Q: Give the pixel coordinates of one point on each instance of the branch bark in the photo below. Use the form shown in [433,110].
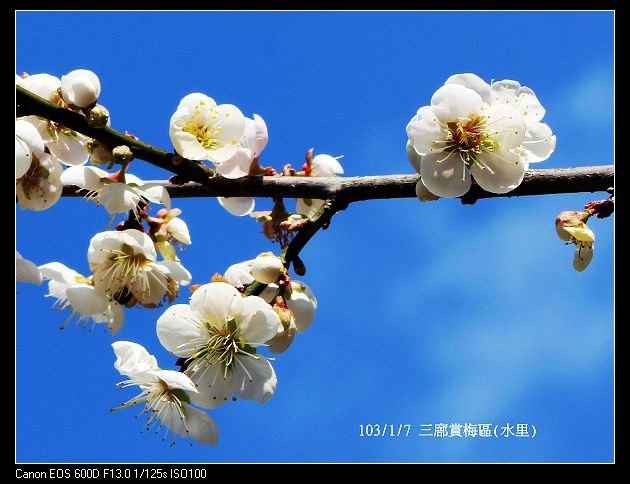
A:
[355,189]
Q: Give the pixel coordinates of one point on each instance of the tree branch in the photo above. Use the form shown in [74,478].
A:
[355,189]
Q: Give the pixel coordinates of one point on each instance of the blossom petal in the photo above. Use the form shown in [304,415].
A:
[216,303]
[175,380]
[88,177]
[200,426]
[119,198]
[522,98]
[26,271]
[262,135]
[175,271]
[281,342]
[505,126]
[178,229]
[452,102]
[425,132]
[239,275]
[156,193]
[413,156]
[500,171]
[326,165]
[302,304]
[238,165]
[308,206]
[195,100]
[582,256]
[214,387]
[539,142]
[445,175]
[133,359]
[152,289]
[258,322]
[179,326]
[70,148]
[238,206]
[86,299]
[474,82]
[23,158]
[59,272]
[254,378]
[44,85]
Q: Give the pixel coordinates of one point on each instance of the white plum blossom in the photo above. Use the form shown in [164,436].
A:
[75,291]
[28,145]
[218,334]
[124,264]
[267,268]
[164,394]
[571,227]
[240,274]
[44,85]
[253,141]
[26,271]
[302,303]
[201,130]
[171,229]
[490,131]
[40,187]
[237,206]
[67,145]
[115,196]
[321,165]
[80,88]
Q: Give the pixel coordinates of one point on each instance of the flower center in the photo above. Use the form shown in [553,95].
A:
[223,345]
[469,137]
[33,179]
[208,135]
[125,268]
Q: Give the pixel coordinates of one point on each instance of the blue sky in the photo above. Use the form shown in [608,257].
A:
[428,313]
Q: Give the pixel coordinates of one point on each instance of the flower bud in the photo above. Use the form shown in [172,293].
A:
[99,153]
[302,304]
[267,268]
[80,88]
[423,193]
[122,154]
[98,117]
[570,225]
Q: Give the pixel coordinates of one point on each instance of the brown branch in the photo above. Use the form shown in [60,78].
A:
[355,189]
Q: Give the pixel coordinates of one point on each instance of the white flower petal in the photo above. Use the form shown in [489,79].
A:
[28,133]
[474,82]
[452,102]
[308,207]
[70,148]
[254,378]
[179,326]
[80,88]
[238,206]
[200,426]
[185,144]
[196,100]
[423,193]
[582,256]
[175,380]
[413,156]
[425,132]
[522,98]
[119,198]
[133,359]
[152,290]
[302,304]
[44,85]
[26,271]
[216,303]
[239,275]
[281,342]
[23,158]
[445,175]
[238,165]
[43,192]
[505,126]
[257,323]
[157,193]
[86,299]
[178,229]
[266,268]
[59,272]
[262,135]
[88,177]
[175,271]
[539,142]
[326,165]
[499,172]
[214,387]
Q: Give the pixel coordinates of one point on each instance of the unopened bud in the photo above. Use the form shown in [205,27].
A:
[423,193]
[267,268]
[99,153]
[122,154]
[98,117]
